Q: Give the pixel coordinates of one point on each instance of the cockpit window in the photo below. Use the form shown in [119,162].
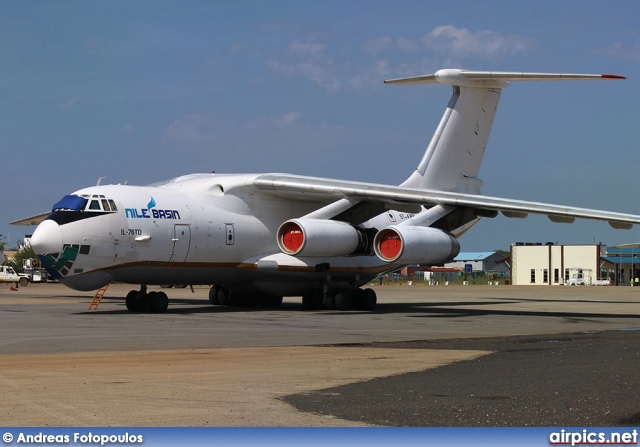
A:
[85,203]
[70,202]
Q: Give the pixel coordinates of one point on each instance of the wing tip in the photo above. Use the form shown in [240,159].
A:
[612,76]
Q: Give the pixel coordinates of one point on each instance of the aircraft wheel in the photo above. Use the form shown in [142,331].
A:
[343,299]
[223,296]
[251,299]
[242,300]
[131,301]
[368,300]
[357,298]
[330,299]
[213,295]
[147,301]
[312,299]
[307,299]
[160,302]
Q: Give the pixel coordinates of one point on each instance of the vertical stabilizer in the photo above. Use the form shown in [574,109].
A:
[454,155]
[453,158]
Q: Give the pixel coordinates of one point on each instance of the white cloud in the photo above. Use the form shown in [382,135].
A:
[377,45]
[288,120]
[407,45]
[460,42]
[622,51]
[128,128]
[352,69]
[202,130]
[192,129]
[71,102]
[307,49]
[311,61]
[385,43]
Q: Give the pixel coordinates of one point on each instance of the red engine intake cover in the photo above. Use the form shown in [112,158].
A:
[390,244]
[292,238]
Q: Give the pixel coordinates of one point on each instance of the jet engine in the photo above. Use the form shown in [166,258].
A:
[319,238]
[408,244]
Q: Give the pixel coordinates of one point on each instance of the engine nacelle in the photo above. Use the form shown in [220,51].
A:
[408,244]
[318,238]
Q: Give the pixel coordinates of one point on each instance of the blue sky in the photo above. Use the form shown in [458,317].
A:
[145,91]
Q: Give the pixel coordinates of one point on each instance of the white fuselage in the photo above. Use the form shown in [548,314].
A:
[197,229]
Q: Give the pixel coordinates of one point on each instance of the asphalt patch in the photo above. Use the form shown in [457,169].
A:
[582,379]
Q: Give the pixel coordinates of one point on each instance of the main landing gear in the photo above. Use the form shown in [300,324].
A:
[221,296]
[141,301]
[341,299]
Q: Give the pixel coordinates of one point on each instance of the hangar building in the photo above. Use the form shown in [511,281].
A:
[480,263]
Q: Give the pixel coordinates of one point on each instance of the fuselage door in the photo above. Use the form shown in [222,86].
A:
[181,242]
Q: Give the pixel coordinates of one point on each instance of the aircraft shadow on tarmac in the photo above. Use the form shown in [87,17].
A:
[413,310]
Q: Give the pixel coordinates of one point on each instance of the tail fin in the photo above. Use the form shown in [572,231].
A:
[453,158]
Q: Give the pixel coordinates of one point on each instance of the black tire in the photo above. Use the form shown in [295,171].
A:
[330,299]
[307,299]
[159,302]
[312,299]
[23,282]
[357,299]
[344,299]
[146,301]
[223,296]
[369,299]
[131,301]
[213,295]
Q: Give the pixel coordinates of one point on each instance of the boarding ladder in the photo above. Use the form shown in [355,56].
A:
[98,297]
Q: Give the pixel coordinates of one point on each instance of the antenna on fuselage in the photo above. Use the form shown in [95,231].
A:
[99,181]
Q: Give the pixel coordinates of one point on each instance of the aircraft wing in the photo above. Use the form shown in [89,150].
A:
[301,187]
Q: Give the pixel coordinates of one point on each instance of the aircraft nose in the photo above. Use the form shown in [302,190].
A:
[47,238]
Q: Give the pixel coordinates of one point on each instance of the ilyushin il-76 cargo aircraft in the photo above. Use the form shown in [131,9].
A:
[255,238]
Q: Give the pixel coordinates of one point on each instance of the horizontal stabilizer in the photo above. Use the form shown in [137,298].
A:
[492,79]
